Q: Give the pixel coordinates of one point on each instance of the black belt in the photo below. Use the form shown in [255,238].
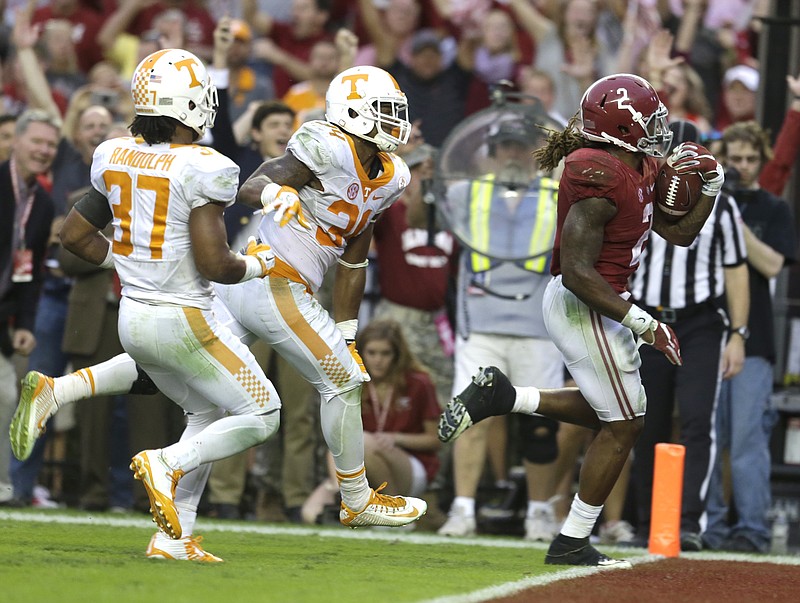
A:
[672,315]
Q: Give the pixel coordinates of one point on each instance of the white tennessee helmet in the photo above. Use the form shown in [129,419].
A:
[175,83]
[366,102]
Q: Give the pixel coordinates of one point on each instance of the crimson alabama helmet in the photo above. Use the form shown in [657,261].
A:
[624,110]
[174,83]
[366,102]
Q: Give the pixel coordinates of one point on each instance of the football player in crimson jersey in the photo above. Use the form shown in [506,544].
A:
[606,210]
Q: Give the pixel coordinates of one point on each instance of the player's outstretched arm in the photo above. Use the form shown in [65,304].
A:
[285,170]
[212,256]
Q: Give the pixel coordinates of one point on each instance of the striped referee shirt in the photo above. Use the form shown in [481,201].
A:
[679,277]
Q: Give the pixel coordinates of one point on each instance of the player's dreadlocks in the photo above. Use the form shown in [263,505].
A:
[559,145]
[154,129]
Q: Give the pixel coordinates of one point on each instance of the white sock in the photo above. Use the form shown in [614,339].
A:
[464,506]
[187,518]
[581,519]
[527,401]
[110,378]
[538,505]
[354,488]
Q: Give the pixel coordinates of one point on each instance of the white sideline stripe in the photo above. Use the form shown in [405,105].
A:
[635,556]
[385,534]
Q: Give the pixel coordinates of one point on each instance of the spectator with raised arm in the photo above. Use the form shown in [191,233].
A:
[85,22]
[248,78]
[287,45]
[437,92]
[326,60]
[569,49]
[390,31]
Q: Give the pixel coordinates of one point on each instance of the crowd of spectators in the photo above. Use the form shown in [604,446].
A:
[72,60]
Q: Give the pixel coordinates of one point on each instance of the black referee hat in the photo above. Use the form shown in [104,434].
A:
[683,131]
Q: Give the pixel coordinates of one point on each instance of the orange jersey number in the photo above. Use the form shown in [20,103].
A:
[123,210]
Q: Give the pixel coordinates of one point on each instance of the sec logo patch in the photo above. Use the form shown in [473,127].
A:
[352,191]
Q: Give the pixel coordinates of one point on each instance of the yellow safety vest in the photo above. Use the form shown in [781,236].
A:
[542,234]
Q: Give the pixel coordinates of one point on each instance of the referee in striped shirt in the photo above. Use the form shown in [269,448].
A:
[687,288]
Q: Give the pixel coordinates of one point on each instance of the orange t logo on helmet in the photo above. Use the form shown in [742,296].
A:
[353,79]
[189,63]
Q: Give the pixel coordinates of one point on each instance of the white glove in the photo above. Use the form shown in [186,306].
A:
[259,260]
[348,329]
[692,157]
[653,332]
[285,202]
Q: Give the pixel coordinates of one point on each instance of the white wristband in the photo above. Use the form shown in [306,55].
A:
[348,328]
[253,268]
[712,186]
[638,321]
[269,192]
[109,261]
[363,264]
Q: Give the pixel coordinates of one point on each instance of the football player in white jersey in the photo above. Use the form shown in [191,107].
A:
[334,180]
[320,200]
[165,197]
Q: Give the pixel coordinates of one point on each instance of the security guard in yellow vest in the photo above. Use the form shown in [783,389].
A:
[511,227]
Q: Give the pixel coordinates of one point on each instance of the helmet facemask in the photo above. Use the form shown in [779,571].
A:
[365,101]
[659,136]
[391,123]
[209,104]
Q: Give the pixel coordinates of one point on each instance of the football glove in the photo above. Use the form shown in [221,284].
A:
[692,157]
[285,203]
[259,259]
[663,338]
[653,332]
[348,329]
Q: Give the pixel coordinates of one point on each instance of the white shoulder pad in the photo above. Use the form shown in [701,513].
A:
[321,146]
[211,177]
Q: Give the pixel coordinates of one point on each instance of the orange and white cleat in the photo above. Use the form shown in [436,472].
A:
[183,549]
[160,481]
[384,510]
[37,403]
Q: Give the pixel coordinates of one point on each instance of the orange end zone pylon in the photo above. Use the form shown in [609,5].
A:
[665,519]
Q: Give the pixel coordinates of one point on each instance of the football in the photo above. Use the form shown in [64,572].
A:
[677,193]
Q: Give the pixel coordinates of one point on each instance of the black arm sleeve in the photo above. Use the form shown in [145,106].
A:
[94,207]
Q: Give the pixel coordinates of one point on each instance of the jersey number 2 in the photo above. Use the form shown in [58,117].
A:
[123,210]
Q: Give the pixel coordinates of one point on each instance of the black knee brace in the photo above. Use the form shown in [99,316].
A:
[538,442]
[143,385]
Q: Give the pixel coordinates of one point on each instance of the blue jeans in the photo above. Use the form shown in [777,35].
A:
[743,425]
[46,358]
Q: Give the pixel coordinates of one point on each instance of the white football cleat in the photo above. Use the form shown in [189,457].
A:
[185,549]
[160,480]
[384,510]
[37,403]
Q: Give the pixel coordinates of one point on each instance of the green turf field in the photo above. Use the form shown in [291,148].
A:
[69,557]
